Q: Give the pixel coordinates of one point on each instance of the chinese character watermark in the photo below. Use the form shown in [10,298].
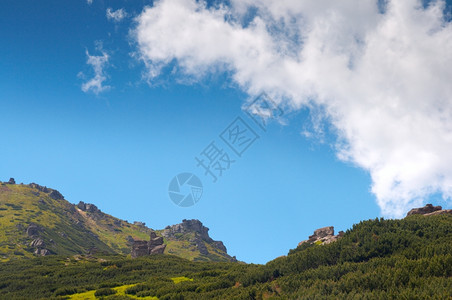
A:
[214,161]
[239,136]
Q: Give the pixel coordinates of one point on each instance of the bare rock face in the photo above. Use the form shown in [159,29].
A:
[220,245]
[429,208]
[158,249]
[185,227]
[40,188]
[322,232]
[155,240]
[88,207]
[37,243]
[440,212]
[139,248]
[55,195]
[33,231]
[153,246]
[323,236]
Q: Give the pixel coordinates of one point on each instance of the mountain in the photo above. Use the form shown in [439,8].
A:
[79,252]
[409,258]
[38,221]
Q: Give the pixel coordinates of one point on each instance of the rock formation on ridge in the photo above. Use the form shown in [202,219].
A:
[429,210]
[324,235]
[153,246]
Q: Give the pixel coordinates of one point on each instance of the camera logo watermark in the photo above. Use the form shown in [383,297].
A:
[238,136]
[185,189]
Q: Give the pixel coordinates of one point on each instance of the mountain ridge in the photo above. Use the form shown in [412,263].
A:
[38,221]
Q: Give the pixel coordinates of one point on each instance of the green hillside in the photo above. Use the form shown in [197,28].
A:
[376,259]
[37,220]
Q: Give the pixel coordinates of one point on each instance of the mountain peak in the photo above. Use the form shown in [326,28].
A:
[187,226]
[197,236]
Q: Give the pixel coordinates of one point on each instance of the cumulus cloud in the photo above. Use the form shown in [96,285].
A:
[380,76]
[96,83]
[116,15]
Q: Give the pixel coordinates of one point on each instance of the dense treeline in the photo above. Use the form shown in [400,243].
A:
[409,258]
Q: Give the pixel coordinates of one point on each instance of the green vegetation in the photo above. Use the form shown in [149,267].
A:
[67,230]
[181,279]
[376,259]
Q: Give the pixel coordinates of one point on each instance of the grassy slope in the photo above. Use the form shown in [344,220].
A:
[72,230]
[20,206]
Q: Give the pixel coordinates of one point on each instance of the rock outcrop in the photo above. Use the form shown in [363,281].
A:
[88,207]
[40,188]
[37,243]
[54,194]
[324,235]
[42,252]
[197,235]
[139,248]
[426,210]
[187,226]
[440,212]
[155,245]
[33,230]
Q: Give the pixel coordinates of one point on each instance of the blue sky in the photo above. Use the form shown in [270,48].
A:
[119,147]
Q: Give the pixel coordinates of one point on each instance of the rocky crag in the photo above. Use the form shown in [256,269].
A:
[155,245]
[196,236]
[429,210]
[324,235]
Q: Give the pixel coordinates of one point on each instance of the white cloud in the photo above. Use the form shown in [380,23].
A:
[96,83]
[116,15]
[381,80]
[89,2]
